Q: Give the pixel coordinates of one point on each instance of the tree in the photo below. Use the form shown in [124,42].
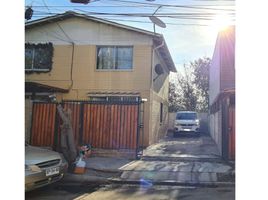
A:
[189,89]
[201,81]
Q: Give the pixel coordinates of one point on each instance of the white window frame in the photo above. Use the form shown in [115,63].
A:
[115,46]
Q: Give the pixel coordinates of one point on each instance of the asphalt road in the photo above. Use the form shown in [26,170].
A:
[130,192]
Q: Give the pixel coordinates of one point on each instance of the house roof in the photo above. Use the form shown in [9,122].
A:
[158,38]
[39,88]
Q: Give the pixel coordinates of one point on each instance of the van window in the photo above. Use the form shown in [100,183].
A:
[186,116]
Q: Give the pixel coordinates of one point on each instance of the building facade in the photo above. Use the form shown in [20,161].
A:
[74,57]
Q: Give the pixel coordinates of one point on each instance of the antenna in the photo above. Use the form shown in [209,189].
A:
[157,21]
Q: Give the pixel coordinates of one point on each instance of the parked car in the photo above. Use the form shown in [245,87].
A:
[186,122]
[42,167]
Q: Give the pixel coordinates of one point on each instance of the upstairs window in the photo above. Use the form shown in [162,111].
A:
[114,57]
[38,57]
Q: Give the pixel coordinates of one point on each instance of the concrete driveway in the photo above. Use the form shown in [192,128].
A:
[180,161]
[183,147]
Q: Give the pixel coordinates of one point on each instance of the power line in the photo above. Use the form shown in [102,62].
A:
[66,35]
[137,21]
[112,6]
[169,5]
[145,14]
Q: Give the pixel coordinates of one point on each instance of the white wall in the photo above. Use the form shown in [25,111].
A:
[215,128]
[214,74]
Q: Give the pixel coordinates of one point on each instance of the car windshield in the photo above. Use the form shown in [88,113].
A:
[186,116]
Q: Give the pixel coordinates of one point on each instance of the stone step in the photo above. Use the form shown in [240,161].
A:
[185,172]
[180,177]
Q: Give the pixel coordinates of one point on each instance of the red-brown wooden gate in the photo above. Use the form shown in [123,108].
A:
[110,126]
[43,124]
[106,125]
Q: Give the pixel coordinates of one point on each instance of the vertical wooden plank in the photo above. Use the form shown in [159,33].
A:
[104,127]
[52,122]
[34,116]
[95,124]
[41,128]
[90,123]
[85,119]
[122,132]
[118,127]
[134,127]
[49,124]
[77,111]
[46,134]
[131,123]
[111,121]
[127,129]
[114,126]
[98,126]
[101,125]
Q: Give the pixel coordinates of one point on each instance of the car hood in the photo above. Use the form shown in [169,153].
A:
[34,155]
[183,121]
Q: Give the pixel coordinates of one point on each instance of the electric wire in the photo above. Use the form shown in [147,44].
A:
[169,5]
[66,35]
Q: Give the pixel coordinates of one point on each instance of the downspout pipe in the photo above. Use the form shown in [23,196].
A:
[72,64]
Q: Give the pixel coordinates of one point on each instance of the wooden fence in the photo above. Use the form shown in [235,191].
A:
[105,125]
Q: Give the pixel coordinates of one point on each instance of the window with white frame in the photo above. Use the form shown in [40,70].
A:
[114,57]
[38,57]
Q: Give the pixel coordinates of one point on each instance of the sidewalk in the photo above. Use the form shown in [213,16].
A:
[172,161]
[98,169]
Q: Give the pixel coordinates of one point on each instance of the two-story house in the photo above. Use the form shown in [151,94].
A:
[222,93]
[84,60]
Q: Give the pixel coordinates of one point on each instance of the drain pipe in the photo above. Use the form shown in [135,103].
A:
[71,71]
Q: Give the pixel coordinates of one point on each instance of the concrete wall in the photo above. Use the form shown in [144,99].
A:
[215,128]
[214,73]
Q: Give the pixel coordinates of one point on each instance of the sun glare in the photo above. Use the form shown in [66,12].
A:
[221,22]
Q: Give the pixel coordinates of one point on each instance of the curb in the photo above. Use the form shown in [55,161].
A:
[87,179]
[160,158]
[115,171]
[82,178]
[172,183]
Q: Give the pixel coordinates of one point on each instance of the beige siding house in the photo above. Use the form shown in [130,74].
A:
[95,58]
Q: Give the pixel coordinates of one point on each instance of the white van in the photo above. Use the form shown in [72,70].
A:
[186,122]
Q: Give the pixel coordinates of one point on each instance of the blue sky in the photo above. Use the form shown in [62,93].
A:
[187,39]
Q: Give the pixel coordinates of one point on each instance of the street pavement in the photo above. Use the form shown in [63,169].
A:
[130,192]
[152,192]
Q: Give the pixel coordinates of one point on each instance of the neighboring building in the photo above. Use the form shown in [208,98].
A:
[222,93]
[80,58]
